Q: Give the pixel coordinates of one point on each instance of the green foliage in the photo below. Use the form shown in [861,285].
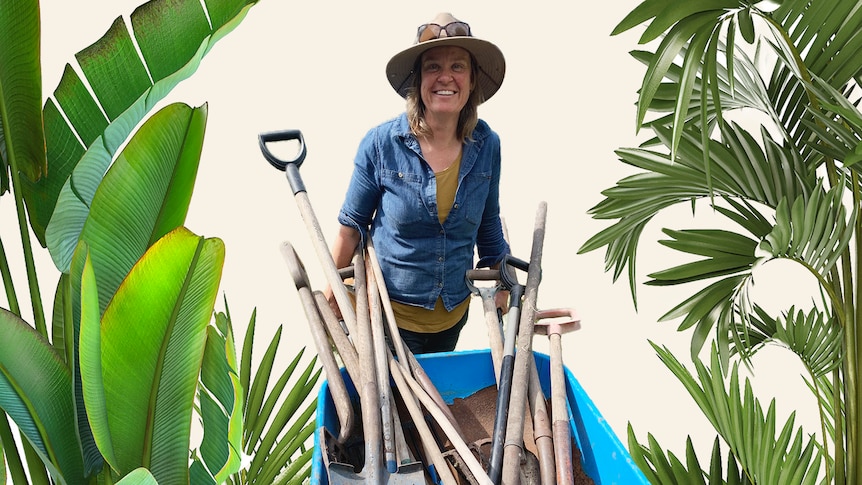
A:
[788,190]
[275,432]
[133,353]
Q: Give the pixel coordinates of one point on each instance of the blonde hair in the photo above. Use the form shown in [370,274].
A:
[469,116]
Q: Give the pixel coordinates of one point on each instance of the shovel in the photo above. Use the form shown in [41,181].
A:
[513,451]
[372,470]
[404,354]
[343,407]
[548,323]
[291,170]
[493,316]
[507,364]
[407,472]
[541,426]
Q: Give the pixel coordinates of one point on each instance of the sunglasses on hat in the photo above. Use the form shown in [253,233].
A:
[427,32]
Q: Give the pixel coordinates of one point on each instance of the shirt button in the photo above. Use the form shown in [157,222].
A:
[454,206]
[401,175]
[440,285]
[440,259]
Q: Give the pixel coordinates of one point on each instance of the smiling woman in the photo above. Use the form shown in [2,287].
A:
[425,185]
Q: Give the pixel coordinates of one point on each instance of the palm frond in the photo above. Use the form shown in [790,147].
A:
[275,431]
[814,232]
[765,453]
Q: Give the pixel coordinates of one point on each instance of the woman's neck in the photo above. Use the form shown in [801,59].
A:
[440,150]
[443,129]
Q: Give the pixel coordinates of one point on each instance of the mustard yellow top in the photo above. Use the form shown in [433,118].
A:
[422,320]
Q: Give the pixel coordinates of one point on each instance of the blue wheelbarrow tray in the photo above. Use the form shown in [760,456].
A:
[603,458]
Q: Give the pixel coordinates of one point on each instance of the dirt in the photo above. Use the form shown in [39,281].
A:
[475,416]
[475,419]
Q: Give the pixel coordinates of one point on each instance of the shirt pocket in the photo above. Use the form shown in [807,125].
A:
[401,202]
[475,193]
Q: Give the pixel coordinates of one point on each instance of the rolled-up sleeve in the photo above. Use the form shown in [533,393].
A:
[363,192]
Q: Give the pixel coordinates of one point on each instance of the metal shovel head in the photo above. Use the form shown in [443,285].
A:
[409,474]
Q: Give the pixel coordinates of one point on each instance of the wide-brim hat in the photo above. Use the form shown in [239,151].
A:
[488,57]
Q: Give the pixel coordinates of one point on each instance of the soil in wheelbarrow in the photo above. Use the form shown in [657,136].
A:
[475,416]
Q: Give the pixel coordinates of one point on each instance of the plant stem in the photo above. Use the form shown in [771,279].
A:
[838,425]
[816,383]
[38,473]
[851,377]
[8,285]
[16,468]
[24,228]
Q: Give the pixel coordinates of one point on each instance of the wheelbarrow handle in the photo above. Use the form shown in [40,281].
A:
[290,167]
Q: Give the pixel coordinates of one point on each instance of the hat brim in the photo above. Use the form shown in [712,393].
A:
[492,64]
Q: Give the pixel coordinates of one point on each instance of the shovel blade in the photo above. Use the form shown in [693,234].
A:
[345,474]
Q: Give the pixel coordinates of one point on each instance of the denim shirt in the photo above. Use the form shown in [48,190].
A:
[393,192]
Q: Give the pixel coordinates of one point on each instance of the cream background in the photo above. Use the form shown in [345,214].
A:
[567,103]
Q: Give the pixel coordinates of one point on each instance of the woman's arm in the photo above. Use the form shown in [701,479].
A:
[343,249]
[344,246]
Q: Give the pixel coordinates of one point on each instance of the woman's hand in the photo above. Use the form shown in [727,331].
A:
[333,304]
[501,299]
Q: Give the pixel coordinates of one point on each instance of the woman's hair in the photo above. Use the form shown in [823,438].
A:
[469,116]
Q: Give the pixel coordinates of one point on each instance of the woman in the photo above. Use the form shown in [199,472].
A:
[425,185]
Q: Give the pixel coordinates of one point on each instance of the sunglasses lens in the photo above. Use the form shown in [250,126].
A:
[457,29]
[428,32]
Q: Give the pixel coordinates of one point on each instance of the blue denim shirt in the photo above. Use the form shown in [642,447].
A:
[394,193]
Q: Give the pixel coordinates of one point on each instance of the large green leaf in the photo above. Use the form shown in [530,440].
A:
[144,195]
[36,392]
[140,476]
[173,37]
[152,339]
[21,133]
[726,252]
[738,168]
[662,466]
[220,397]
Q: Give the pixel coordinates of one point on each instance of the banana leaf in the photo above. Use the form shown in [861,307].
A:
[35,391]
[139,380]
[220,398]
[173,37]
[144,195]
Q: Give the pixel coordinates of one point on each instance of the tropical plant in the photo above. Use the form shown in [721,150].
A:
[276,442]
[132,351]
[788,189]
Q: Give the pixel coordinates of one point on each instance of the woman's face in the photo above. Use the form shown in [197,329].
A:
[446,82]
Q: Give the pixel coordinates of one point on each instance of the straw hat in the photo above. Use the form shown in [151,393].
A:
[492,65]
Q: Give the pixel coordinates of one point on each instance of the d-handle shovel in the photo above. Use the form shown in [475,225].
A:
[541,423]
[291,170]
[373,471]
[343,407]
[493,315]
[554,323]
[507,364]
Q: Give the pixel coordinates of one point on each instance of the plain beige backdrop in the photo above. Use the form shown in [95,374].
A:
[566,104]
